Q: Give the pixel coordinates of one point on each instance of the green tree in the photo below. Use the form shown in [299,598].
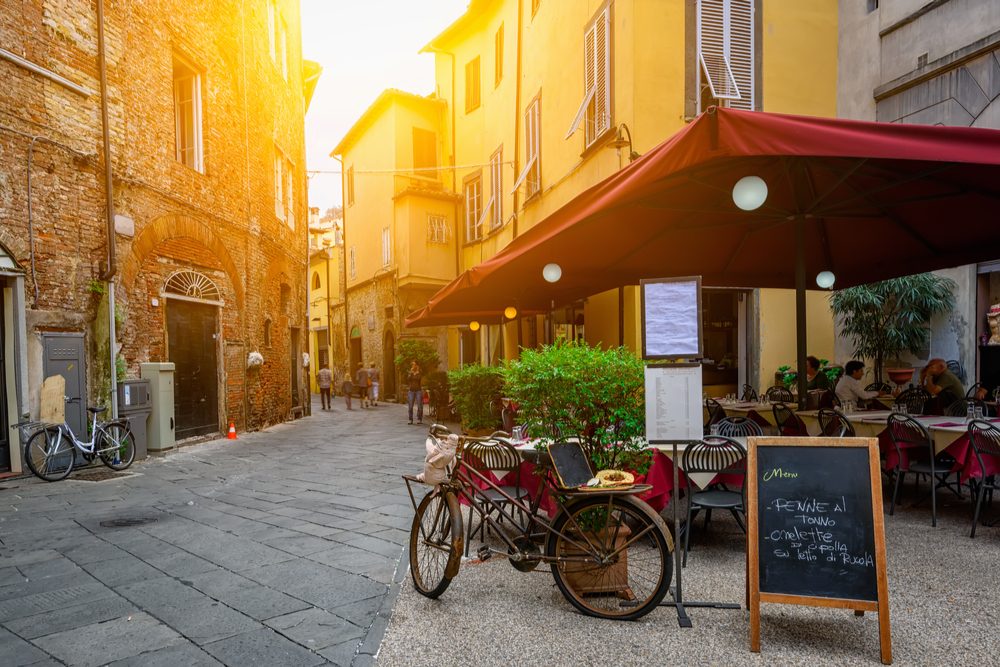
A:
[477,390]
[887,318]
[423,351]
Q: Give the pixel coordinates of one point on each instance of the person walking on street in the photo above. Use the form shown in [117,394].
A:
[414,393]
[324,378]
[347,387]
[361,381]
[373,375]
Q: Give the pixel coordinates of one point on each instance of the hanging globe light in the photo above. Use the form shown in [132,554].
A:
[510,312]
[750,193]
[473,326]
[825,279]
[552,272]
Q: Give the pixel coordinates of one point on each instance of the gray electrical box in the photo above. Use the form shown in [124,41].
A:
[134,405]
[161,397]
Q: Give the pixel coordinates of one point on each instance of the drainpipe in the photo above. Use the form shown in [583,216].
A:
[112,267]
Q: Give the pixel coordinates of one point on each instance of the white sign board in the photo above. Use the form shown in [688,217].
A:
[671,318]
[673,403]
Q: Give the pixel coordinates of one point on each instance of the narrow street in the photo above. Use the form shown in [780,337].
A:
[281,548]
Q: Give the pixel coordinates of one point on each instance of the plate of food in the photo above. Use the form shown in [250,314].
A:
[609,480]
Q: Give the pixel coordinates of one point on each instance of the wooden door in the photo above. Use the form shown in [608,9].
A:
[191,343]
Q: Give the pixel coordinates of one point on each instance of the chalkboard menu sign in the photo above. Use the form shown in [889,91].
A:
[814,527]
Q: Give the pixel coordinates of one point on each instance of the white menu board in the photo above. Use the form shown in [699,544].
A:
[671,318]
[673,403]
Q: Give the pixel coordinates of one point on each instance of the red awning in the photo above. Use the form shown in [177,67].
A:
[875,201]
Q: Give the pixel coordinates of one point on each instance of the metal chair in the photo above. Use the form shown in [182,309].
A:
[879,386]
[960,408]
[956,368]
[715,414]
[738,427]
[985,440]
[749,394]
[714,454]
[914,400]
[499,457]
[828,399]
[788,422]
[833,424]
[973,390]
[778,393]
[906,431]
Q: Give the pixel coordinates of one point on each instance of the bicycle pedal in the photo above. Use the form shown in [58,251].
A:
[484,553]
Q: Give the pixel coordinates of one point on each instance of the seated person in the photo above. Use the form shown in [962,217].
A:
[850,388]
[816,378]
[941,383]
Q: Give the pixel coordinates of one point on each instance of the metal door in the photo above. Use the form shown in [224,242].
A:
[191,343]
[4,426]
[64,356]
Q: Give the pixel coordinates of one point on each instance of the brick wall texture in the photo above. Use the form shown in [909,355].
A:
[220,223]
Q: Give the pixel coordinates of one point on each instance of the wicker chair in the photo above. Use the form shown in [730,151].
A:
[499,457]
[905,431]
[778,393]
[833,424]
[714,454]
[985,440]
[749,394]
[738,427]
[788,422]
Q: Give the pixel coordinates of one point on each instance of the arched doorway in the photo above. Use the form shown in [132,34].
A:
[192,303]
[389,364]
[354,352]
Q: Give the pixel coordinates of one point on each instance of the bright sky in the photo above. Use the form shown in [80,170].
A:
[364,46]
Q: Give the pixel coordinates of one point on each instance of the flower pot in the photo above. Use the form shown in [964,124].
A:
[584,578]
[900,376]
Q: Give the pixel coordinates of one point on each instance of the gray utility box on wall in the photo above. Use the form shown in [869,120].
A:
[134,405]
[161,394]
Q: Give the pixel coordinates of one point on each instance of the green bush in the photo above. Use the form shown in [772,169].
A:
[436,382]
[476,390]
[574,390]
[423,351]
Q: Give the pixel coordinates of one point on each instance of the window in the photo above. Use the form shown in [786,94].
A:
[595,109]
[187,115]
[472,85]
[350,186]
[277,35]
[498,56]
[386,246]
[496,189]
[284,188]
[316,282]
[531,175]
[437,229]
[725,54]
[872,5]
[473,208]
[424,152]
[353,263]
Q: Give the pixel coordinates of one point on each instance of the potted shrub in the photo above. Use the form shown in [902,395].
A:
[885,319]
[476,390]
[574,390]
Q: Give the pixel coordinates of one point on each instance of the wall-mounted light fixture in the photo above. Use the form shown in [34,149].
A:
[623,138]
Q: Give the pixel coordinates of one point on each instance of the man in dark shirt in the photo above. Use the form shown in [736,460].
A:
[941,383]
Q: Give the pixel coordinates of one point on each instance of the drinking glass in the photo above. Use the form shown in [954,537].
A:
[978,412]
[713,429]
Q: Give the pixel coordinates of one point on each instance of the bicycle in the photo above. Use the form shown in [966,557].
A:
[609,552]
[50,451]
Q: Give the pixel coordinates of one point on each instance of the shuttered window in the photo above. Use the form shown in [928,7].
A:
[472,85]
[725,53]
[498,56]
[437,229]
[386,246]
[531,175]
[474,209]
[595,109]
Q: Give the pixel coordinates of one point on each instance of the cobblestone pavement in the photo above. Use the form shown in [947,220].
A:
[282,548]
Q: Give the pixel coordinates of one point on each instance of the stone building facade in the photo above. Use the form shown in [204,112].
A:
[205,104]
[934,63]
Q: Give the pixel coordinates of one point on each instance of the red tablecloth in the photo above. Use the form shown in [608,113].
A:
[966,464]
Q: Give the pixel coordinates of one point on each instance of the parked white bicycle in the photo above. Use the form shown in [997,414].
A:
[51,450]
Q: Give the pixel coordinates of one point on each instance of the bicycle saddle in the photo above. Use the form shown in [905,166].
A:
[97,411]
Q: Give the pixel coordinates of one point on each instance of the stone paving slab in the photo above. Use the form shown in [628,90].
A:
[246,557]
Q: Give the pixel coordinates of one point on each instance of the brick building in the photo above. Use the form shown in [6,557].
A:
[208,257]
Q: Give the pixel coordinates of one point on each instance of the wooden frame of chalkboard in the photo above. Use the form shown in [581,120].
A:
[817,563]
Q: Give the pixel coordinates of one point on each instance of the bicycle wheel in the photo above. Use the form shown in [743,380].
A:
[436,543]
[614,557]
[50,454]
[116,446]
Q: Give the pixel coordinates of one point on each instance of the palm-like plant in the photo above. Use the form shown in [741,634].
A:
[887,318]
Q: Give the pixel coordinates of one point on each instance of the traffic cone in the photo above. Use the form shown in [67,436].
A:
[232,431]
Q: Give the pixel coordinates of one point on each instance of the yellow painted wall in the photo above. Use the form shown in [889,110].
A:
[777,330]
[600,316]
[319,305]
[799,63]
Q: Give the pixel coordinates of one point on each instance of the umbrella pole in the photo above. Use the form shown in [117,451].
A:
[800,307]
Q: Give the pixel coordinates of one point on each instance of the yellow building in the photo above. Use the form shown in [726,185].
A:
[400,214]
[326,252]
[545,98]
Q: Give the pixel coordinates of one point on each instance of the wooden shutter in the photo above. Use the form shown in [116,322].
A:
[740,51]
[712,49]
[602,55]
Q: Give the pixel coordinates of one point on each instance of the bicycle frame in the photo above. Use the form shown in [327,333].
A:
[86,447]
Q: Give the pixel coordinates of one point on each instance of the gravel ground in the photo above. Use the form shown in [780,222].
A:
[943,595]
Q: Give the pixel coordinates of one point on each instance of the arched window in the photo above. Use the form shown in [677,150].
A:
[192,286]
[316,284]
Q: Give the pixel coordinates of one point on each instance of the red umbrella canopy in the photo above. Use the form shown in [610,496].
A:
[873,201]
